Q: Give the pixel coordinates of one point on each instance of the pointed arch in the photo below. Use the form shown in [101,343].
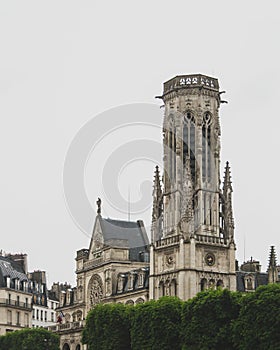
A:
[207,156]
[203,284]
[220,284]
[95,290]
[161,289]
[189,141]
[173,288]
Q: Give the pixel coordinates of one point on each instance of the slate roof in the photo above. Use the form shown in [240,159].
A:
[261,278]
[11,269]
[126,233]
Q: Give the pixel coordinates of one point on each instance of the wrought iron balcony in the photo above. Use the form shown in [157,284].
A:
[15,303]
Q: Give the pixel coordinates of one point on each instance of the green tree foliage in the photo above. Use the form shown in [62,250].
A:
[258,324]
[107,328]
[213,320]
[206,320]
[35,339]
[156,325]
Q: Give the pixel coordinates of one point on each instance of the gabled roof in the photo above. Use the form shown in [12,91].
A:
[131,233]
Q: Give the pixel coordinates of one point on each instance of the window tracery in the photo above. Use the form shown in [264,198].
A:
[95,290]
[189,142]
[206,147]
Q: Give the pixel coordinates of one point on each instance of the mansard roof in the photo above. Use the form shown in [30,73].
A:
[9,268]
[260,279]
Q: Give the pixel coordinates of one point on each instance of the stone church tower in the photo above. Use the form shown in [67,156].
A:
[192,222]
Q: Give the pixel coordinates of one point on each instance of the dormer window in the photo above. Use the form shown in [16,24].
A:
[68,296]
[130,281]
[8,282]
[249,282]
[16,283]
[141,279]
[121,283]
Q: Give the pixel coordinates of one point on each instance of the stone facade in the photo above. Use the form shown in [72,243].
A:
[193,244]
[115,268]
[15,294]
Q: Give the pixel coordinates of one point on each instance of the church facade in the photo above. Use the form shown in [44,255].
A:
[192,244]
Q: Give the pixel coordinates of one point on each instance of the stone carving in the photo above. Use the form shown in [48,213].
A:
[98,203]
[95,290]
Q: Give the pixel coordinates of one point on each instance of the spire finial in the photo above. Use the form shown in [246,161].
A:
[272,257]
[272,267]
[227,178]
[227,203]
[98,203]
[157,207]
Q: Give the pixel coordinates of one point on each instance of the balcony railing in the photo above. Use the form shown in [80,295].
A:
[14,303]
[211,239]
[168,241]
[194,80]
[67,326]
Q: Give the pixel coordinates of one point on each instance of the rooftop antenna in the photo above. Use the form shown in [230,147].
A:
[128,204]
[244,247]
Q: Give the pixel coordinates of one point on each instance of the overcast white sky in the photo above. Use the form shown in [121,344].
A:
[64,62]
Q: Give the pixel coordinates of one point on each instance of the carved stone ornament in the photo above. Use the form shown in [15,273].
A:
[210,259]
[96,290]
[170,260]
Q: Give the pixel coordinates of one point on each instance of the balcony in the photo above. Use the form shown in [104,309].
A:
[211,239]
[15,304]
[74,326]
[171,240]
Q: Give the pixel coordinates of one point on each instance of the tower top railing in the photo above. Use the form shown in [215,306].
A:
[190,81]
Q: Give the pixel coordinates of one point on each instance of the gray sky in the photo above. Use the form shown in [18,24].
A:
[64,62]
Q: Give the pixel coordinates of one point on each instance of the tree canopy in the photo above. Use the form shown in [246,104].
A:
[156,324]
[258,324]
[213,320]
[206,320]
[35,339]
[107,328]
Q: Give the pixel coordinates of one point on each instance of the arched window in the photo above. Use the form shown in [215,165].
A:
[79,315]
[173,288]
[249,282]
[220,284]
[207,156]
[95,289]
[78,347]
[161,289]
[67,318]
[203,284]
[139,301]
[171,152]
[212,284]
[129,302]
[189,142]
[66,347]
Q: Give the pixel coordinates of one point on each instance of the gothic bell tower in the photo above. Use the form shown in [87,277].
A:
[192,223]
